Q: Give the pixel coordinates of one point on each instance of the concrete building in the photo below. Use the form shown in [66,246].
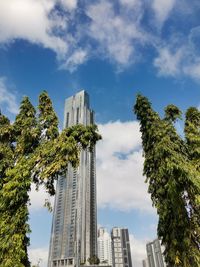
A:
[74,226]
[121,247]
[104,247]
[154,254]
[145,263]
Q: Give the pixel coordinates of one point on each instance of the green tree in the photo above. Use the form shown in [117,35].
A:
[14,194]
[32,151]
[94,260]
[192,135]
[174,179]
[6,147]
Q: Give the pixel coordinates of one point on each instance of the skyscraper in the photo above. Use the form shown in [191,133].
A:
[154,254]
[104,247]
[145,263]
[121,247]
[74,226]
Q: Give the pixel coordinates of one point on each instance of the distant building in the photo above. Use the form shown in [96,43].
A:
[154,254]
[104,247]
[121,247]
[145,263]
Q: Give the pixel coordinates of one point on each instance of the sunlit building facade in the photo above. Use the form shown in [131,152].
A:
[104,247]
[74,226]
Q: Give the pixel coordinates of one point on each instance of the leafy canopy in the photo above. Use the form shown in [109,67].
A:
[32,151]
[172,168]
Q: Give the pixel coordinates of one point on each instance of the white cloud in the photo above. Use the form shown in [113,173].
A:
[116,34]
[31,20]
[38,256]
[130,3]
[180,57]
[168,63]
[69,4]
[7,97]
[193,70]
[138,250]
[162,9]
[37,198]
[99,29]
[77,58]
[120,184]
[41,23]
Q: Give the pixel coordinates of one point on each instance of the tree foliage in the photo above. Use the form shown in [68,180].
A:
[94,260]
[32,151]
[172,168]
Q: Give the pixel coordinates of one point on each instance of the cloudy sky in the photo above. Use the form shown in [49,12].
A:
[113,49]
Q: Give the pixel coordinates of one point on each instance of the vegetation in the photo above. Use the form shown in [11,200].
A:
[32,151]
[94,260]
[172,168]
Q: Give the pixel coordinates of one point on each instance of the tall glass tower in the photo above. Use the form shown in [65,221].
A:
[74,226]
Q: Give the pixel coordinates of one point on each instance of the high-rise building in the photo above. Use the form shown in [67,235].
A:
[121,247]
[154,254]
[104,247]
[74,226]
[145,263]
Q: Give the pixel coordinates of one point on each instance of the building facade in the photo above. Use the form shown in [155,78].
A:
[154,254]
[145,263]
[74,226]
[104,247]
[121,247]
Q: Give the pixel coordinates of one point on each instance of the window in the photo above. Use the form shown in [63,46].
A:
[67,122]
[77,115]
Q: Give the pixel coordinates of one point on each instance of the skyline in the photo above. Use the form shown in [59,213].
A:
[113,50]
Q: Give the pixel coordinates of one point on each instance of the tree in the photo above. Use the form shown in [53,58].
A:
[94,260]
[32,151]
[16,185]
[174,179]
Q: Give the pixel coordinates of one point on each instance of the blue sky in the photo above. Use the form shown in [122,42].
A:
[112,49]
